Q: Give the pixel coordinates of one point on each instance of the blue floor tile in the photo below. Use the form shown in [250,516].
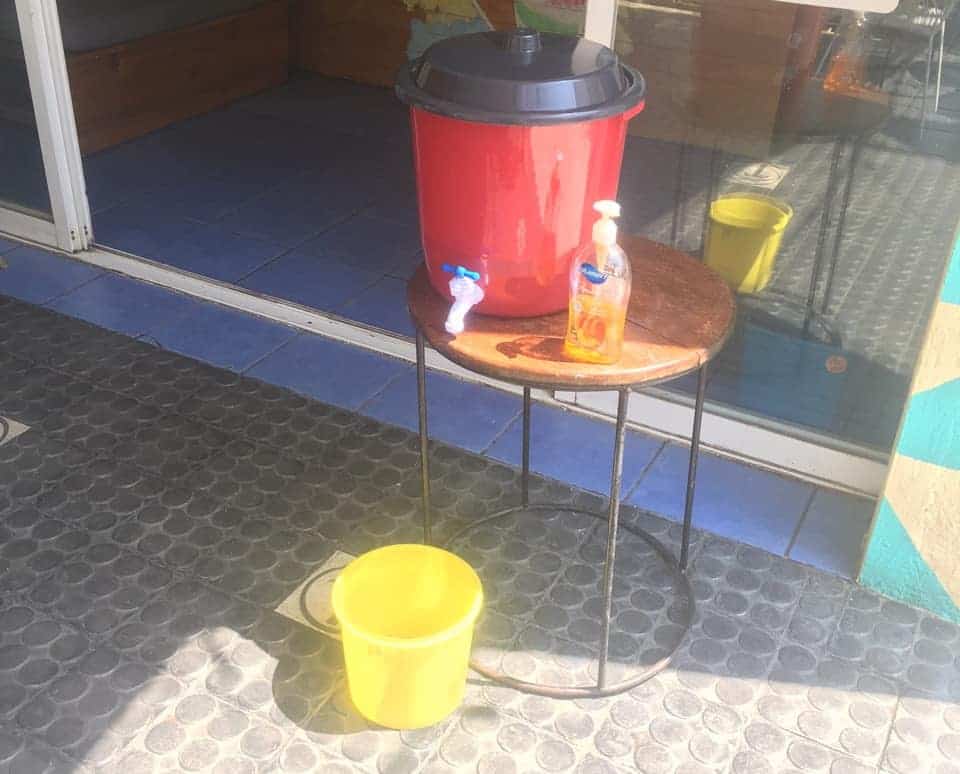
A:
[201,198]
[327,370]
[734,500]
[382,305]
[368,243]
[832,532]
[136,227]
[124,305]
[310,281]
[123,171]
[6,245]
[397,207]
[296,211]
[37,276]
[286,227]
[406,269]
[220,336]
[466,415]
[574,448]
[213,252]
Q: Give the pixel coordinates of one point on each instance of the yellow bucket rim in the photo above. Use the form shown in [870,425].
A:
[785,210]
[411,643]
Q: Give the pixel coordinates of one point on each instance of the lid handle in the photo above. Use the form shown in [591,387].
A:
[524,41]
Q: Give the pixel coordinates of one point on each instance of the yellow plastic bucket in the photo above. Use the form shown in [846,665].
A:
[744,237]
[406,615]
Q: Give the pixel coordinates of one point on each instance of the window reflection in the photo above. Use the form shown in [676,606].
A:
[843,125]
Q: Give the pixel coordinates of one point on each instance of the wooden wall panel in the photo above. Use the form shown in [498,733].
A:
[366,40]
[127,90]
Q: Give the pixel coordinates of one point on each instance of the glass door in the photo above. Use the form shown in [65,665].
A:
[42,195]
[811,155]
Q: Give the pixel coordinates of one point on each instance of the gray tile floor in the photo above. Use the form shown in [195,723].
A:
[158,510]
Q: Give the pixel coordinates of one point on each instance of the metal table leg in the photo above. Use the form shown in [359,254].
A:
[424,439]
[613,523]
[692,468]
[841,223]
[943,34]
[525,473]
[822,236]
[684,591]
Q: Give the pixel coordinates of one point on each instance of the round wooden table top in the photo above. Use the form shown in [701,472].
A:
[680,316]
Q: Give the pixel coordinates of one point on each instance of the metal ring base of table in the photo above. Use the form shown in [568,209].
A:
[590,691]
[677,566]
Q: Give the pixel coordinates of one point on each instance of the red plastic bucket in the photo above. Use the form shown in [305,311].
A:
[508,192]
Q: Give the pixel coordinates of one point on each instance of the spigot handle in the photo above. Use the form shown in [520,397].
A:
[461,271]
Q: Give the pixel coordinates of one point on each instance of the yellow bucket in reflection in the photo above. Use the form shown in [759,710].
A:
[406,615]
[744,238]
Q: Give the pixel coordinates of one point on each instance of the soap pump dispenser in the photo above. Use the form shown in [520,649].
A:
[600,281]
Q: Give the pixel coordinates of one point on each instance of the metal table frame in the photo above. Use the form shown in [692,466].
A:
[678,567]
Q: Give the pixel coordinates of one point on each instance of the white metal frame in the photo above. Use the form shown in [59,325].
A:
[50,92]
[600,24]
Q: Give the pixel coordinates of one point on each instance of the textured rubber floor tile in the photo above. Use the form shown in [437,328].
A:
[926,729]
[112,424]
[93,711]
[171,446]
[875,633]
[84,350]
[747,584]
[485,738]
[273,667]
[830,701]
[35,649]
[199,733]
[31,465]
[98,587]
[267,414]
[166,379]
[101,485]
[170,623]
[925,735]
[338,732]
[519,557]
[669,726]
[241,552]
[33,394]
[32,333]
[245,655]
[33,545]
[21,752]
[821,603]
[767,750]
[179,529]
[647,608]
[725,661]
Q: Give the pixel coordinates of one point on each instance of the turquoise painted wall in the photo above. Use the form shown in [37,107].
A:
[913,550]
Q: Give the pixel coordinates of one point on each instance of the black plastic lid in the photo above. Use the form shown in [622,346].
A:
[520,77]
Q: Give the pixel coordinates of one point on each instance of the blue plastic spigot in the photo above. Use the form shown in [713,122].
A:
[461,271]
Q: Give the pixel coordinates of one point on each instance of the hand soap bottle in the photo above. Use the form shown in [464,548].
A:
[600,281]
